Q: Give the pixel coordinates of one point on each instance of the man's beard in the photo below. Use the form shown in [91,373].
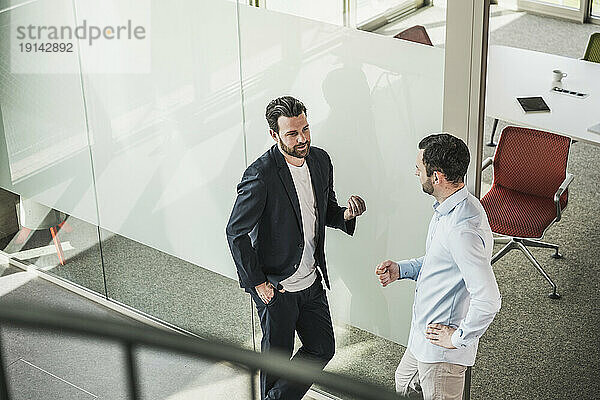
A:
[294,151]
[428,186]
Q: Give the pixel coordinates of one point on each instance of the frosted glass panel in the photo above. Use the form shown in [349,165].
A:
[370,99]
[168,151]
[44,152]
[168,146]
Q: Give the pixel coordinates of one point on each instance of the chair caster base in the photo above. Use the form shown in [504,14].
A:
[491,144]
[556,255]
[554,296]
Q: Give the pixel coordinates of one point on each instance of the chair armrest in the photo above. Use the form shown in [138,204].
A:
[561,189]
[487,162]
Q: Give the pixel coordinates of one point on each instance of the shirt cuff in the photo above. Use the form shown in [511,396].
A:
[404,270]
[457,339]
[350,226]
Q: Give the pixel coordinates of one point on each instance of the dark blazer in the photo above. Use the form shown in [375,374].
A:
[265,232]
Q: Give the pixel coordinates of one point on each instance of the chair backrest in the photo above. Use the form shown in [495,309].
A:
[592,53]
[416,34]
[531,161]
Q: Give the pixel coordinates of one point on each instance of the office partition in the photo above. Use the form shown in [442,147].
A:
[151,159]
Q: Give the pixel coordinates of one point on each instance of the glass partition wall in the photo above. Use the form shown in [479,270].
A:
[48,208]
[123,181]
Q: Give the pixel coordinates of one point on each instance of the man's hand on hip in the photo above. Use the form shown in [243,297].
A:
[440,335]
[356,207]
[388,272]
[266,291]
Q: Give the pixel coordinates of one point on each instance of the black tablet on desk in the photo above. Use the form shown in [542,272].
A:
[533,104]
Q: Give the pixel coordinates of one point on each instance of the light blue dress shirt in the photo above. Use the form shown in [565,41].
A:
[455,282]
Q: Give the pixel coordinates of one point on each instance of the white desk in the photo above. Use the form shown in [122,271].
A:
[516,73]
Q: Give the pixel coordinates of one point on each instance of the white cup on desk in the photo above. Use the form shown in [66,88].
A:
[557,75]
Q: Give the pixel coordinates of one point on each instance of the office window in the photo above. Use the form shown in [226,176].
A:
[325,11]
[564,3]
[368,10]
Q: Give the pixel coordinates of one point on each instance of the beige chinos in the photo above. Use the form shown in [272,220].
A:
[429,381]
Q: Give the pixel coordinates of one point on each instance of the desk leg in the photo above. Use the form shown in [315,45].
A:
[491,142]
[59,250]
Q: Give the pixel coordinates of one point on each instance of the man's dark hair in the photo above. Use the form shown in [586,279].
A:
[286,106]
[447,154]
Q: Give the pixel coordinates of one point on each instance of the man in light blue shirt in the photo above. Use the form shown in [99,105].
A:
[456,295]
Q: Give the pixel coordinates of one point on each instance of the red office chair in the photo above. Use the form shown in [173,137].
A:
[416,34]
[529,191]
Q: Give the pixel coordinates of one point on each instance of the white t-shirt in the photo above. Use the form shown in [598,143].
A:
[306,274]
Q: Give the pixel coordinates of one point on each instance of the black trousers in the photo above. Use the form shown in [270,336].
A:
[305,312]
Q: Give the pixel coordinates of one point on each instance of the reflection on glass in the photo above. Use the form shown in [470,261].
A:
[596,8]
[325,11]
[369,9]
[52,241]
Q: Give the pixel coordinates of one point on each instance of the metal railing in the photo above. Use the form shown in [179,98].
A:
[135,336]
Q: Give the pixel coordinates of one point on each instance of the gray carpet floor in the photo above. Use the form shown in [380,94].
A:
[536,348]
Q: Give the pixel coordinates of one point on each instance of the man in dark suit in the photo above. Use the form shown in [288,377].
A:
[276,234]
